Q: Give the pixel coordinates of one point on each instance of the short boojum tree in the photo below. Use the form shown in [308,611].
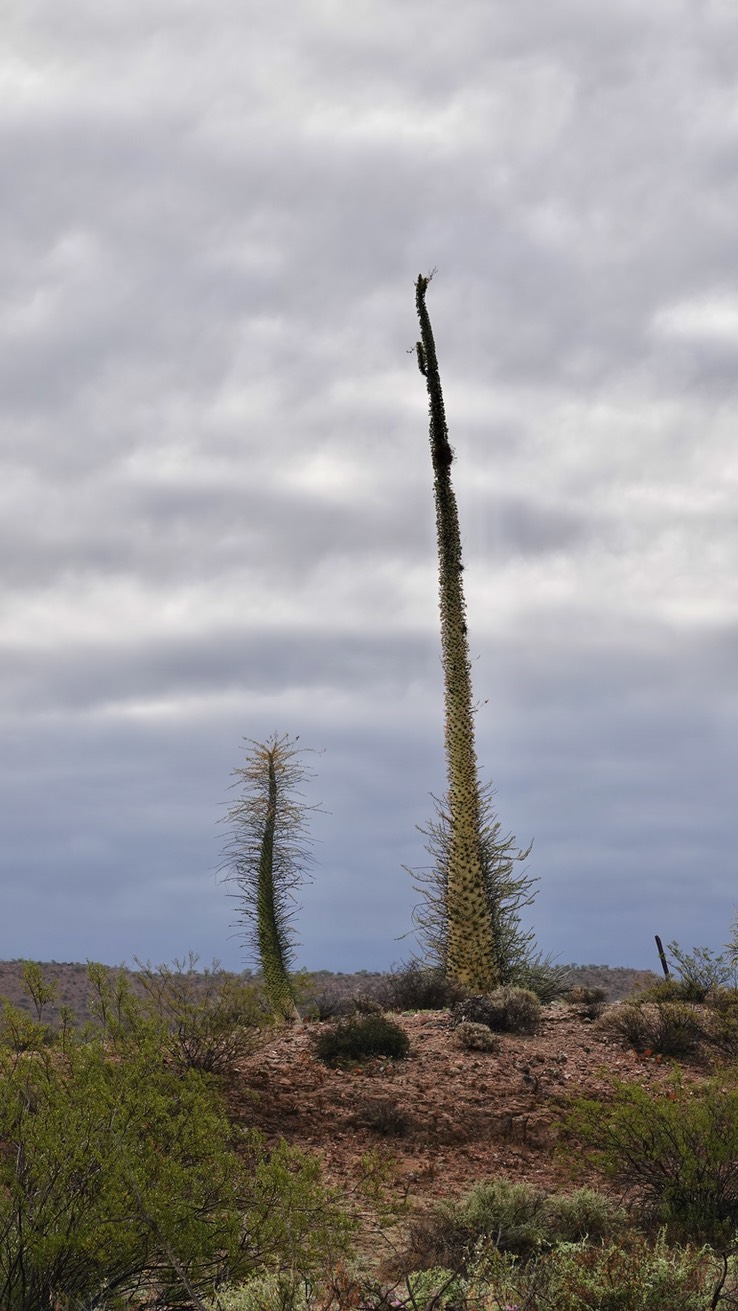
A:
[267,856]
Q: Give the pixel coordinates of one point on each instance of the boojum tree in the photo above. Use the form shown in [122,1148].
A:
[471,921]
[267,856]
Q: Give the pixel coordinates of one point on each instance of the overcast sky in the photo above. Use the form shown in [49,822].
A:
[217,517]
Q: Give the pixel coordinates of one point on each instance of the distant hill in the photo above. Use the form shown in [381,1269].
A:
[71,982]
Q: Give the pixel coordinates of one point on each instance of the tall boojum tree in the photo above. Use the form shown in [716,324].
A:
[472,924]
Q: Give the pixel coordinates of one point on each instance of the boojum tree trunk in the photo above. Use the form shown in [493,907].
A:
[471,954]
[267,856]
[270,933]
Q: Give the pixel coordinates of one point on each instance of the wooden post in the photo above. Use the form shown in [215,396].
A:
[662,954]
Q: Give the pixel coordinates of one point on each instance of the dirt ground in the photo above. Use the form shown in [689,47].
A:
[470,1116]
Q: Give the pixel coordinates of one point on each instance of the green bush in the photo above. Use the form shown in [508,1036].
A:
[119,1173]
[677,1150]
[113,1172]
[521,1009]
[356,1038]
[584,1213]
[721,1022]
[664,1028]
[441,1290]
[291,1222]
[506,1010]
[625,1276]
[662,990]
[263,1292]
[512,1215]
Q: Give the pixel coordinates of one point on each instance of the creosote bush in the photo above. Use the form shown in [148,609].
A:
[676,1148]
[721,1022]
[673,1029]
[359,1037]
[701,970]
[212,1018]
[119,1178]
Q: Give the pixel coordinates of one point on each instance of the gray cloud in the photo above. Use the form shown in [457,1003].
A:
[215,504]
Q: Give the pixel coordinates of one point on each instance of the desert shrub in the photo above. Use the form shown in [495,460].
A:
[20,1032]
[506,1010]
[512,1215]
[722,1000]
[118,1170]
[477,1009]
[701,971]
[521,1009]
[443,1290]
[476,1037]
[112,1171]
[212,1018]
[330,1004]
[670,989]
[417,987]
[264,1292]
[292,1223]
[363,1004]
[540,975]
[678,1150]
[631,1276]
[384,1116]
[665,1028]
[584,1213]
[720,1019]
[355,1038]
[590,1002]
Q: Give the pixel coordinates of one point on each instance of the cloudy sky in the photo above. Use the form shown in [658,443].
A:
[216,492]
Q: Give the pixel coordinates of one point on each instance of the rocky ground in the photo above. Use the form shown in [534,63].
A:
[446,1118]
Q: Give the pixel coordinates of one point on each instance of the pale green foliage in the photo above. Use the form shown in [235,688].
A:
[513,1217]
[624,1276]
[119,1174]
[267,855]
[438,1288]
[294,1223]
[264,1292]
[38,989]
